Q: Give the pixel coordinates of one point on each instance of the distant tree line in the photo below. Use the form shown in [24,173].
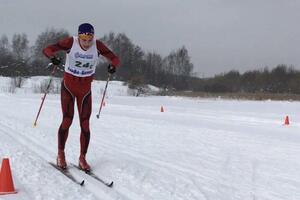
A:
[281,79]
[138,68]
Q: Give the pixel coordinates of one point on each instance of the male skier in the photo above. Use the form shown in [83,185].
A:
[82,57]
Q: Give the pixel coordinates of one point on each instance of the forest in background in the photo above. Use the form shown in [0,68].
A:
[138,68]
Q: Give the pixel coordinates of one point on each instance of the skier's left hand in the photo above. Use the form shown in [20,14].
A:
[55,60]
[111,69]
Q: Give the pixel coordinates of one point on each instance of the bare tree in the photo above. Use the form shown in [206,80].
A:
[4,44]
[50,36]
[20,46]
[178,63]
[6,57]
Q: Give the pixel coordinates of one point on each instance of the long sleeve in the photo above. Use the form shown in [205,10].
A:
[104,50]
[62,45]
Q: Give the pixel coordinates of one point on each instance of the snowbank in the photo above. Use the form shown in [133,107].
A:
[37,84]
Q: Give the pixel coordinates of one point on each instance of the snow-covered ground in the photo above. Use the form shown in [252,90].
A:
[198,149]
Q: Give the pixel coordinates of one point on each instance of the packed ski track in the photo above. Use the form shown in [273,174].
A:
[198,149]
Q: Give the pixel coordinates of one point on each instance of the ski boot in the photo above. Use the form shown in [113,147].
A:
[61,160]
[83,165]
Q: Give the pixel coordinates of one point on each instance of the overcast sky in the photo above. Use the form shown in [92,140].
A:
[220,35]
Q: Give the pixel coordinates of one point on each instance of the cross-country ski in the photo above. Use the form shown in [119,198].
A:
[67,174]
[91,174]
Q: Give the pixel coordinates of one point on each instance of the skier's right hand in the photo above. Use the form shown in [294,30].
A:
[55,60]
[111,69]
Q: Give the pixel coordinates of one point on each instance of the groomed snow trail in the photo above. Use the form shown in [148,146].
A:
[197,149]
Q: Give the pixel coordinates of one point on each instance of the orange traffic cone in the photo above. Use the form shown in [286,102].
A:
[286,121]
[6,181]
[162,109]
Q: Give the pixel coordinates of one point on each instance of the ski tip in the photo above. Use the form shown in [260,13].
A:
[111,184]
[34,125]
[82,183]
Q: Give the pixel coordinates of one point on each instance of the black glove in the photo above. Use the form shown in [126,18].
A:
[55,60]
[111,69]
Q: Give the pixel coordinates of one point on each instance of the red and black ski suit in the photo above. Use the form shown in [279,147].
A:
[78,88]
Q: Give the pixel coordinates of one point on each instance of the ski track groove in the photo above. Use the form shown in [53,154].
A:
[25,142]
[165,167]
[189,174]
[35,148]
[23,189]
[5,136]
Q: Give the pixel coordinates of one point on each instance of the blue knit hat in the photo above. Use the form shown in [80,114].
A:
[85,28]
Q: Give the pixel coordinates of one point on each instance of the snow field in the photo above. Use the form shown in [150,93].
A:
[198,149]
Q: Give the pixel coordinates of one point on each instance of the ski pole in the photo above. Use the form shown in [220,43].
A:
[103,96]
[45,94]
